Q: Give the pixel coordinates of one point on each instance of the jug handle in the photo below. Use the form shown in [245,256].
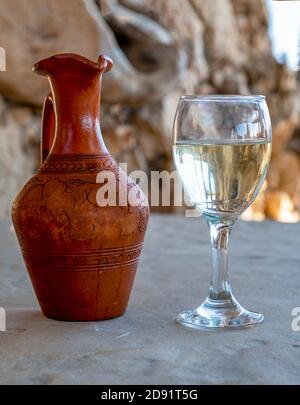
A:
[48,127]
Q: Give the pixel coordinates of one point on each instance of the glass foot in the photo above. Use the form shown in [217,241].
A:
[215,314]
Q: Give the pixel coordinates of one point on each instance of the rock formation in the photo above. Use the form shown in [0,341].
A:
[161,50]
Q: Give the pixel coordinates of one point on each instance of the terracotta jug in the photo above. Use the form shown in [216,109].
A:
[81,256]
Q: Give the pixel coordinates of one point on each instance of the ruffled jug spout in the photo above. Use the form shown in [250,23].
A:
[65,62]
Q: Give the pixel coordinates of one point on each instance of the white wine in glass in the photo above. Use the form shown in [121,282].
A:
[222,179]
[222,148]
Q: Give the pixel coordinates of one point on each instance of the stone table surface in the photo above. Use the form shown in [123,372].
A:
[146,346]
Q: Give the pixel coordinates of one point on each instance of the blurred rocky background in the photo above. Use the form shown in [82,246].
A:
[161,49]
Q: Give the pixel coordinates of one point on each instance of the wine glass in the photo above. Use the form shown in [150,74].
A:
[222,147]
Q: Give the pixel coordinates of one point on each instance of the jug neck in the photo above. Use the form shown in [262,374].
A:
[76,86]
[77,106]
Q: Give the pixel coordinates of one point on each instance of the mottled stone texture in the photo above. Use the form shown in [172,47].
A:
[19,133]
[146,346]
[161,50]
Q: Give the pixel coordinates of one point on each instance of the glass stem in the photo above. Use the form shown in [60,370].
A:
[219,287]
